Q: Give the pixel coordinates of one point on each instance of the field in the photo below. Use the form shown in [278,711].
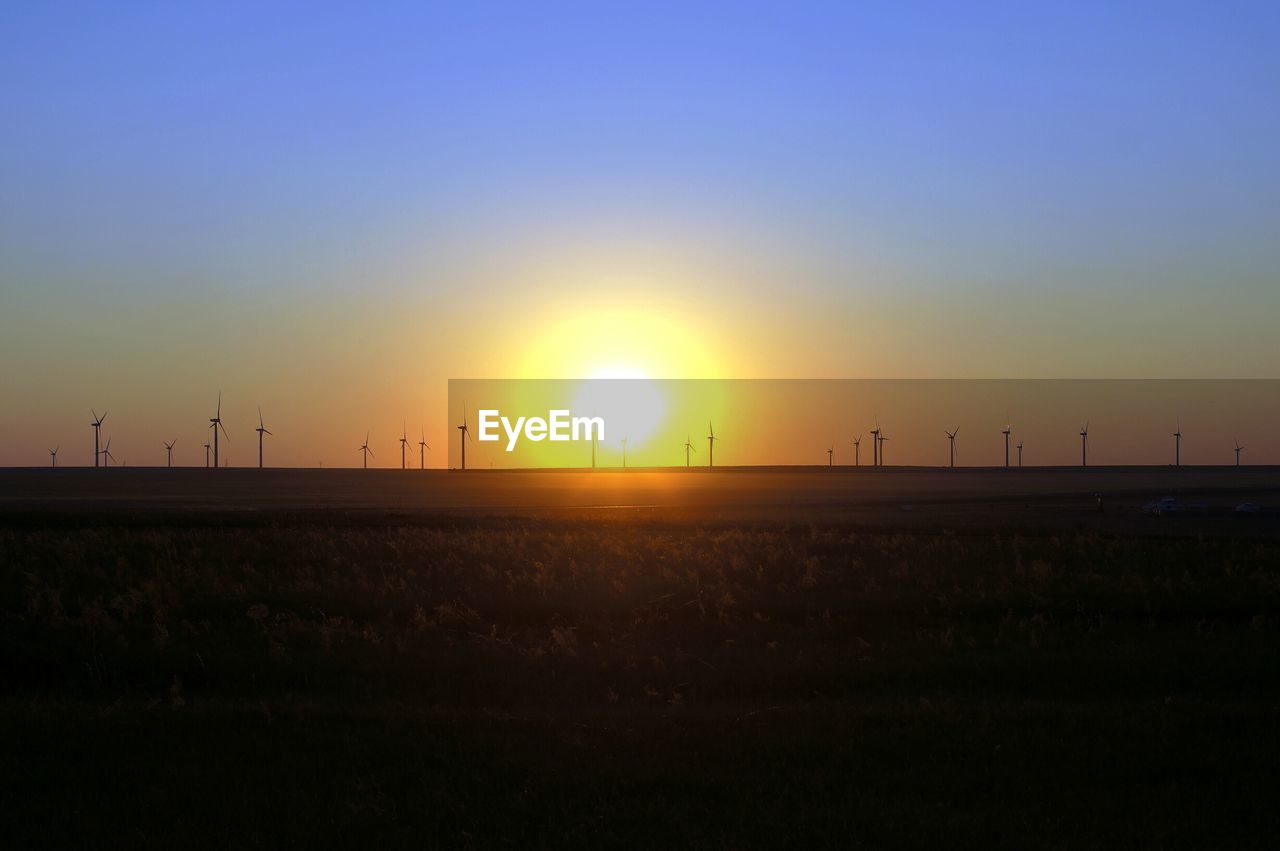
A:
[977,658]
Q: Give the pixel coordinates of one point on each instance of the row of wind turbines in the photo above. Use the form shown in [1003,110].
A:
[879,439]
[102,456]
[102,452]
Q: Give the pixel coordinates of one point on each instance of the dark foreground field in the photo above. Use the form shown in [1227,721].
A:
[409,678]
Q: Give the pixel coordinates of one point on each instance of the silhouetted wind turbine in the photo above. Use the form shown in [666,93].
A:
[1019,453]
[97,431]
[857,451]
[404,445]
[207,447]
[688,447]
[168,452]
[875,444]
[1238,448]
[1177,446]
[364,447]
[884,438]
[711,445]
[215,423]
[831,455]
[465,435]
[107,457]
[53,455]
[261,430]
[1008,428]
[1084,445]
[951,437]
[422,450]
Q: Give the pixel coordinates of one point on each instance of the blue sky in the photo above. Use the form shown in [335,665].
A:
[854,188]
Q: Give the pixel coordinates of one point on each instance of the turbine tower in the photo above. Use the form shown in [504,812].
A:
[1019,453]
[53,455]
[711,445]
[364,447]
[168,452]
[883,440]
[261,430]
[831,455]
[1084,445]
[207,447]
[97,431]
[215,423]
[1238,448]
[857,451]
[688,447]
[422,449]
[1177,446]
[404,445]
[107,457]
[464,434]
[875,444]
[1008,428]
[951,437]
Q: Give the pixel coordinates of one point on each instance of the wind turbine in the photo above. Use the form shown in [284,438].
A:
[857,451]
[1177,446]
[168,452]
[261,430]
[1019,453]
[1084,445]
[884,438]
[366,450]
[465,435]
[951,436]
[215,423]
[711,446]
[624,453]
[107,457]
[207,447]
[1008,428]
[422,450]
[1238,448]
[53,454]
[404,444]
[875,444]
[831,455]
[97,430]
[688,447]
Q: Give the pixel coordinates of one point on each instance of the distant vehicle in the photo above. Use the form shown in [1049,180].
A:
[1248,508]
[1167,505]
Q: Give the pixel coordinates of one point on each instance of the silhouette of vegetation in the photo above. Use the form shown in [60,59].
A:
[389,682]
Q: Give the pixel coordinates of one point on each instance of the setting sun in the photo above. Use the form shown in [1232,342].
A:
[619,343]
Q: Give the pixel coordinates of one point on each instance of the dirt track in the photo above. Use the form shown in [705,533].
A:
[907,497]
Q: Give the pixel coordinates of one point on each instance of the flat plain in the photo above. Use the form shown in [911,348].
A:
[642,658]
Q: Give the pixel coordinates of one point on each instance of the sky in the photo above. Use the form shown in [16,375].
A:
[329,211]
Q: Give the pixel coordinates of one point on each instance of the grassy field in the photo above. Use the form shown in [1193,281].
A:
[411,679]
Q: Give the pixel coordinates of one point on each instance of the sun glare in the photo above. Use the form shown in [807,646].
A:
[617,344]
[633,408]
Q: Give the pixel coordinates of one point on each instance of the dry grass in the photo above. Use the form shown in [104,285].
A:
[611,683]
